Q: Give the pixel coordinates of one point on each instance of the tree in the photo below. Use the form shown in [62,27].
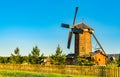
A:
[4,59]
[17,52]
[1,60]
[16,57]
[85,61]
[119,61]
[58,58]
[25,59]
[34,57]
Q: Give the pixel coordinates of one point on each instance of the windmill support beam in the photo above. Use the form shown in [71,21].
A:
[99,43]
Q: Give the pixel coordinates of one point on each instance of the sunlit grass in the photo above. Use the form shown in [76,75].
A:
[11,73]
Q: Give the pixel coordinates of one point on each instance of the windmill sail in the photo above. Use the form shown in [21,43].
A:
[75,16]
[71,33]
[65,25]
[69,39]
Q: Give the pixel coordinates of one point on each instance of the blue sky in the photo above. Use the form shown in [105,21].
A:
[27,23]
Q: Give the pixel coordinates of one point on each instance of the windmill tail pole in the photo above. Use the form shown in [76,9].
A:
[98,43]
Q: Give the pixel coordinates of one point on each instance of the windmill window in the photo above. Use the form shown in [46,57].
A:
[83,49]
[99,60]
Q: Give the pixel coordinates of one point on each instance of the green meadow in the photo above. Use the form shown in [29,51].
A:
[11,73]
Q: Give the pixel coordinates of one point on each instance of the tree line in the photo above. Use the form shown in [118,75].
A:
[58,58]
[34,57]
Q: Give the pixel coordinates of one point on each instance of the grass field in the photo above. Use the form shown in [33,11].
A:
[57,71]
[11,73]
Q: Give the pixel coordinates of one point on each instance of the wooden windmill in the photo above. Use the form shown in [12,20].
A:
[83,43]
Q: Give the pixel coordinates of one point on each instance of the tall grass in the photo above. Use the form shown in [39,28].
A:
[9,73]
[98,71]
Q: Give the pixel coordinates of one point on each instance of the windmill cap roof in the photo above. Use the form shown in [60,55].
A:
[98,51]
[82,26]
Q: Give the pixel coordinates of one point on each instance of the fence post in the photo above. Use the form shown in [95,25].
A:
[118,72]
[114,71]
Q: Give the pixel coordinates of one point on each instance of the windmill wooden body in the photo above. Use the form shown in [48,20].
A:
[83,43]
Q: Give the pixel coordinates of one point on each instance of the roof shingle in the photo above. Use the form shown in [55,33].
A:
[82,26]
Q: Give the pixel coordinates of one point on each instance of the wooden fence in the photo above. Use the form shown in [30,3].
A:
[97,71]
